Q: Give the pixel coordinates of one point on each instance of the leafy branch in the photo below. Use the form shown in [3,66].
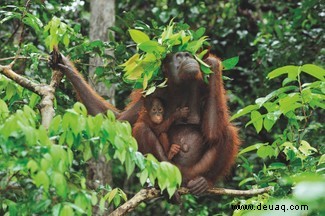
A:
[144,67]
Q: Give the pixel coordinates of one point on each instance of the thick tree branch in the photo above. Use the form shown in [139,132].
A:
[43,90]
[151,193]
[20,80]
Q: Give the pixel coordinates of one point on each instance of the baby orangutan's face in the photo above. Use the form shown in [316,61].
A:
[156,112]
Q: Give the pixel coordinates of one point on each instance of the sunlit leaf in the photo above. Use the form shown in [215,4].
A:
[292,72]
[150,90]
[305,148]
[151,46]
[138,36]
[244,111]
[60,184]
[252,148]
[112,195]
[143,176]
[41,178]
[66,211]
[266,151]
[314,71]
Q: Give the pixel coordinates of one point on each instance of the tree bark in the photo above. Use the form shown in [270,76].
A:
[99,172]
[152,193]
[102,17]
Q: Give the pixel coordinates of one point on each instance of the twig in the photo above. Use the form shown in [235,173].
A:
[20,57]
[151,193]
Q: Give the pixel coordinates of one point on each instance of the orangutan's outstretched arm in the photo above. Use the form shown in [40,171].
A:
[94,103]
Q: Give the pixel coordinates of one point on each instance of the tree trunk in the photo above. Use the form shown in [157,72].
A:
[102,17]
[99,172]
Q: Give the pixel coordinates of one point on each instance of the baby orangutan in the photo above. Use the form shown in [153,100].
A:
[153,123]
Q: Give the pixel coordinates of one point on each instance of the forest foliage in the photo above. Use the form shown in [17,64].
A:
[276,95]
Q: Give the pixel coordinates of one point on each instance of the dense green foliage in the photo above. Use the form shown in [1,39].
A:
[278,107]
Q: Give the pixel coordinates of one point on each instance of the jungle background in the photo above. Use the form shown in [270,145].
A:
[276,96]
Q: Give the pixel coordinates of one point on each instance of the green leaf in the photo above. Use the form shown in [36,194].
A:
[94,199]
[55,124]
[314,71]
[58,154]
[261,101]
[150,90]
[87,154]
[151,47]
[163,84]
[56,209]
[287,80]
[306,149]
[8,15]
[252,148]
[46,162]
[70,157]
[60,184]
[143,177]
[277,165]
[199,33]
[117,200]
[122,195]
[171,191]
[4,111]
[32,165]
[292,72]
[66,40]
[244,111]
[41,178]
[66,211]
[265,151]
[81,201]
[129,166]
[270,119]
[230,63]
[257,120]
[321,160]
[102,205]
[33,100]
[194,46]
[135,73]
[268,124]
[42,205]
[131,61]
[138,36]
[33,22]
[290,103]
[112,194]
[202,62]
[76,208]
[246,180]
[69,138]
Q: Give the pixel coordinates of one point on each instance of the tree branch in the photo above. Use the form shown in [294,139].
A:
[20,80]
[43,90]
[151,193]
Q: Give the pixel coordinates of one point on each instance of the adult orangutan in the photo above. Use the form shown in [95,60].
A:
[209,142]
